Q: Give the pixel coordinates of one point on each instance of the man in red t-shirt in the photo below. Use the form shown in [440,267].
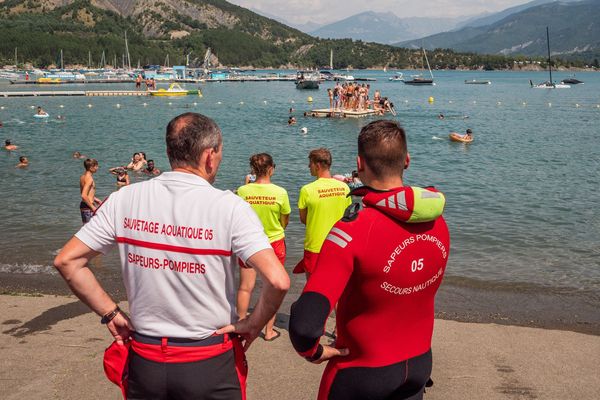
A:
[382,265]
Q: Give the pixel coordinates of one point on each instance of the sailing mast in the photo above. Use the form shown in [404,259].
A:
[16,59]
[103,61]
[62,64]
[127,51]
[89,59]
[331,58]
[428,66]
[549,61]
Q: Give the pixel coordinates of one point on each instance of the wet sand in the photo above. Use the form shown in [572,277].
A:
[456,300]
[52,347]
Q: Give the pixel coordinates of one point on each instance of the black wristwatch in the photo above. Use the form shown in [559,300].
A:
[110,316]
[317,354]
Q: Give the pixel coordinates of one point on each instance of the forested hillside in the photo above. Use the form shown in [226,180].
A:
[40,29]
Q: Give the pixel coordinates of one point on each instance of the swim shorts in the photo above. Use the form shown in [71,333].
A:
[280,251]
[86,213]
[307,264]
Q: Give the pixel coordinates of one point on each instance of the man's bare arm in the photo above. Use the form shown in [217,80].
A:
[303,214]
[71,262]
[276,284]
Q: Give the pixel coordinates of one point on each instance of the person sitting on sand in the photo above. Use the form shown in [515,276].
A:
[137,162]
[151,169]
[122,176]
[9,146]
[23,162]
[292,121]
[78,155]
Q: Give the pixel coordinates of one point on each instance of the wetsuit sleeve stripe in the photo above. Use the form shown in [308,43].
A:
[321,293]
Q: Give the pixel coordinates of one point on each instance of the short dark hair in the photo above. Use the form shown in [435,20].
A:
[188,135]
[320,156]
[382,146]
[89,163]
[22,158]
[260,164]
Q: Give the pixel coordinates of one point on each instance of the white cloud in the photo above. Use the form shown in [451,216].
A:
[325,11]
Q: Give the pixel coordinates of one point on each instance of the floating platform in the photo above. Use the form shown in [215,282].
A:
[70,82]
[88,93]
[338,113]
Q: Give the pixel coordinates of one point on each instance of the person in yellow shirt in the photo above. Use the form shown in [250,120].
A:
[272,205]
[321,203]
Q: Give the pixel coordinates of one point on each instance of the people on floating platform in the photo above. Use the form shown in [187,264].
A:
[356,97]
[23,162]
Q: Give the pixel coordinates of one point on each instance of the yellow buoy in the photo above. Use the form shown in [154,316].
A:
[430,99]
[310,99]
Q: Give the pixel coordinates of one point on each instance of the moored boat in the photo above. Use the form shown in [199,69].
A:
[478,82]
[307,80]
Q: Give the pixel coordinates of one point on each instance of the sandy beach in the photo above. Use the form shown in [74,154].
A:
[52,348]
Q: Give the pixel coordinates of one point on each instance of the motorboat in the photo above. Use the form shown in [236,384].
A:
[308,80]
[478,82]
[397,77]
[571,81]
[174,90]
[340,77]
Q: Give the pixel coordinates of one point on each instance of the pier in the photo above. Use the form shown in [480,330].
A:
[88,93]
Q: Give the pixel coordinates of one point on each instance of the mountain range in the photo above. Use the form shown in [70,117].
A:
[386,28]
[574,30]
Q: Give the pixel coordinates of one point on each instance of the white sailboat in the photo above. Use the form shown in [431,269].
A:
[420,79]
[549,84]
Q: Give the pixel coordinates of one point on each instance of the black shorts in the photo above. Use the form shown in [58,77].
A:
[401,381]
[210,378]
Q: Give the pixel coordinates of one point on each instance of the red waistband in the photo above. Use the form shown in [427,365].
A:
[176,354]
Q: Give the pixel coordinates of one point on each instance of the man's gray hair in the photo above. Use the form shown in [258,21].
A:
[188,135]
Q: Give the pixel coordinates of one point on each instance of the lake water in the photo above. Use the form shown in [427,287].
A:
[522,199]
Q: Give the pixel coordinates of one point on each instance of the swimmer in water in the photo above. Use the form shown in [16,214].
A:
[292,121]
[23,162]
[122,176]
[137,162]
[468,135]
[87,187]
[78,155]
[9,146]
[151,169]
[441,116]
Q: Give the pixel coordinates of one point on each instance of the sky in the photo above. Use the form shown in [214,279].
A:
[326,11]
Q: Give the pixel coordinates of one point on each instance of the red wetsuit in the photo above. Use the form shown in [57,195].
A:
[383,273]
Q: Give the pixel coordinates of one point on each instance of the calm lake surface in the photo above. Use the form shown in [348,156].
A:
[523,206]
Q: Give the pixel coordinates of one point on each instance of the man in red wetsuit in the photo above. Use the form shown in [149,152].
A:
[382,265]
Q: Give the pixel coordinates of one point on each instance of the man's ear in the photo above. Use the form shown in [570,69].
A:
[407,162]
[360,164]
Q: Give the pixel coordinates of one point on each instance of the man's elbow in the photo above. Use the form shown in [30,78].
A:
[281,283]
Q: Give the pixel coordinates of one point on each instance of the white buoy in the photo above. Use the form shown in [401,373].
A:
[474,102]
[90,106]
[576,105]
[450,101]
[264,101]
[218,102]
[499,103]
[145,104]
[549,104]
[32,107]
[61,106]
[304,130]
[170,103]
[2,108]
[406,101]
[118,105]
[293,101]
[597,105]
[195,103]
[241,102]
[524,103]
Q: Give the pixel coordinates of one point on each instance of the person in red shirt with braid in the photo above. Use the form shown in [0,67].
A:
[382,263]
